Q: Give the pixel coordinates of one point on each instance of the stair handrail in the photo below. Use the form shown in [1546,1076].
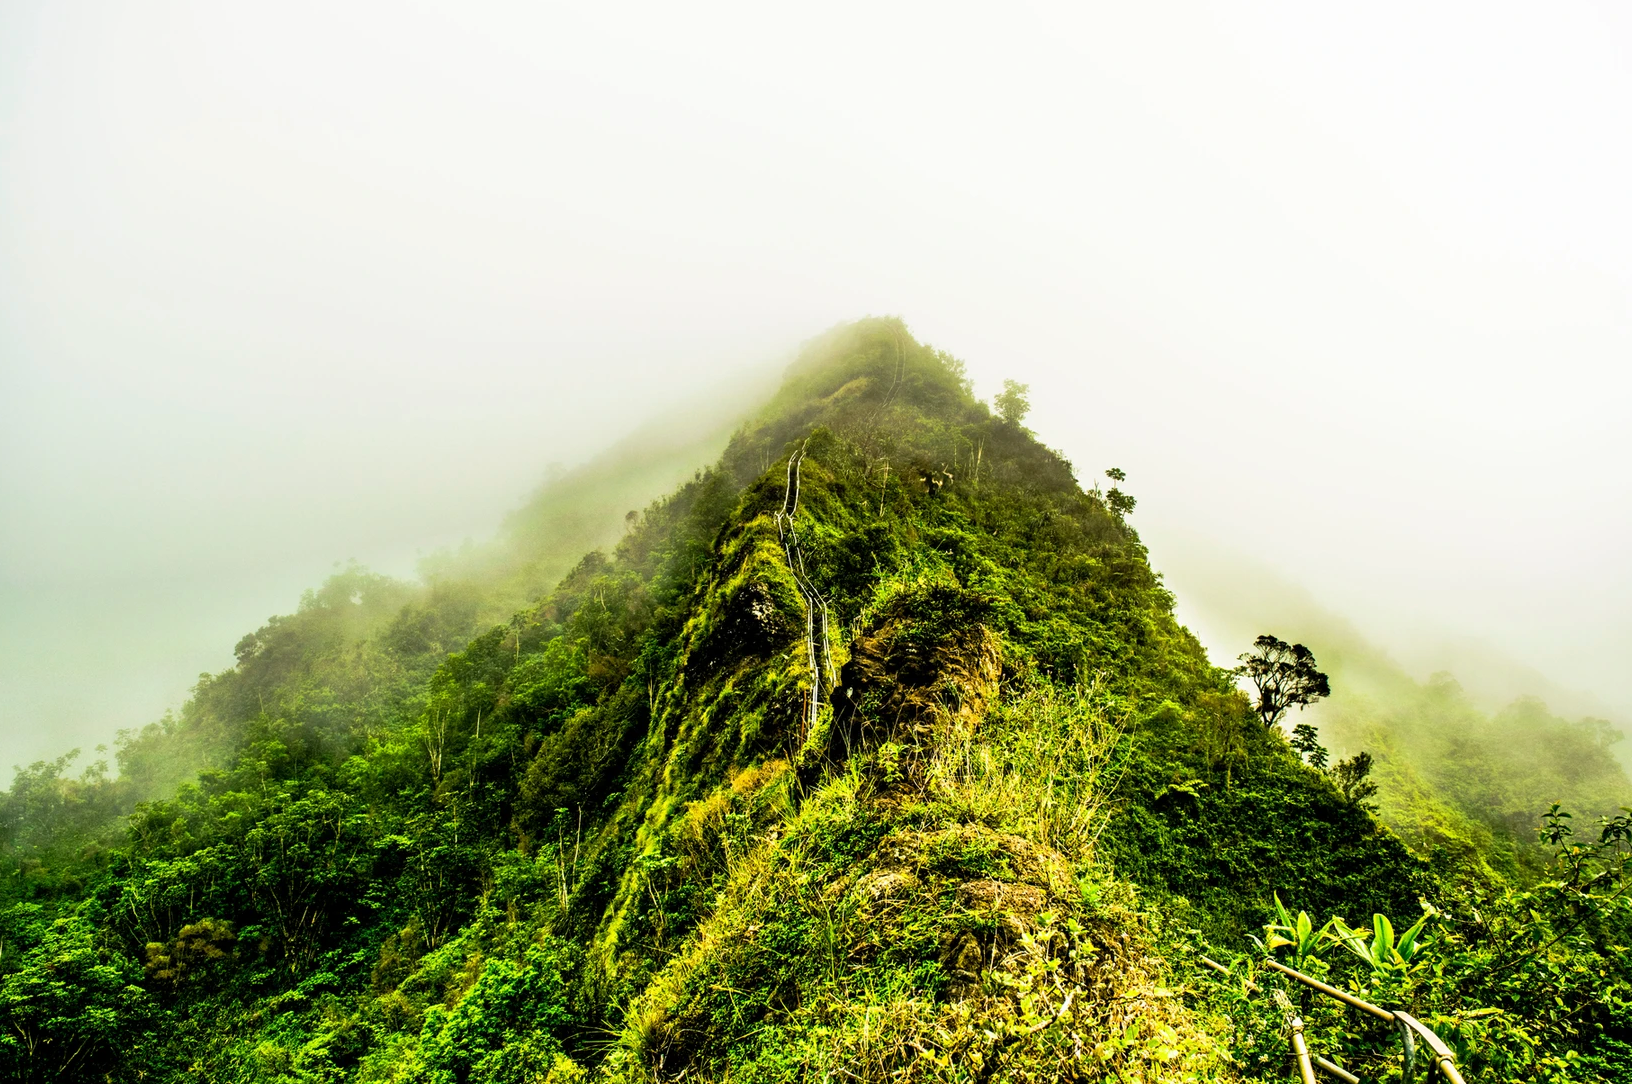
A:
[1410,1029]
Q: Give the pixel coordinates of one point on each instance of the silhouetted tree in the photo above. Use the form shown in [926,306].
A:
[1285,675]
[1307,743]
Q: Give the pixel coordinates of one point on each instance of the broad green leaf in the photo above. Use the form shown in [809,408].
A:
[1382,945]
[1354,940]
[1408,941]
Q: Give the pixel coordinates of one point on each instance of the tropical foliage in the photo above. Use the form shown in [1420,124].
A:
[874,747]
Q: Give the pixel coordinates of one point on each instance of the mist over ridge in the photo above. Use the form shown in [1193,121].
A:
[1471,746]
[1225,595]
[618,544]
[819,759]
[154,635]
[274,299]
[1226,598]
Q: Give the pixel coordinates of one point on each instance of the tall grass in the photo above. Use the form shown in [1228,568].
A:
[1041,764]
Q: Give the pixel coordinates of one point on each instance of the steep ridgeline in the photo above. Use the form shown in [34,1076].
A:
[874,747]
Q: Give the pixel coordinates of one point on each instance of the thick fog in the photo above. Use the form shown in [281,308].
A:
[1345,291]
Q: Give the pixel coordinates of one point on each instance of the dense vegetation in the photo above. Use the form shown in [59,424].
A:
[1469,784]
[875,746]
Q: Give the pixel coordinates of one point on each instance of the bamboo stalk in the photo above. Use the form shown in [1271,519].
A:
[1409,1026]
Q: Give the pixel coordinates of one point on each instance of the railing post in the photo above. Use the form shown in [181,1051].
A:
[1300,1051]
[1410,1029]
[1300,1048]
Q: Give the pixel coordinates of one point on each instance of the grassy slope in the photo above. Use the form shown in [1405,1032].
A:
[713,845]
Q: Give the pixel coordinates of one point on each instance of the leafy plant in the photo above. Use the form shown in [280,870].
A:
[1382,952]
[1299,934]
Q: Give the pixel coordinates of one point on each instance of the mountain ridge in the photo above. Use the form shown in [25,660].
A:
[649,827]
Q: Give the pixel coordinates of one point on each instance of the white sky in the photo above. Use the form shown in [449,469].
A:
[1348,289]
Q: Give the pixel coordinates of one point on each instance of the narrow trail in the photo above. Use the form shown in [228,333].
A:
[820,658]
[821,661]
[869,432]
[895,386]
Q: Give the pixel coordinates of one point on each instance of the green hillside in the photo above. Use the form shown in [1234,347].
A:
[872,751]
[1465,773]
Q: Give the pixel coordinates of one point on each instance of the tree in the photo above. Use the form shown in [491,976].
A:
[196,951]
[71,1009]
[1220,720]
[1117,501]
[1351,777]
[1013,402]
[1285,675]
[1307,743]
